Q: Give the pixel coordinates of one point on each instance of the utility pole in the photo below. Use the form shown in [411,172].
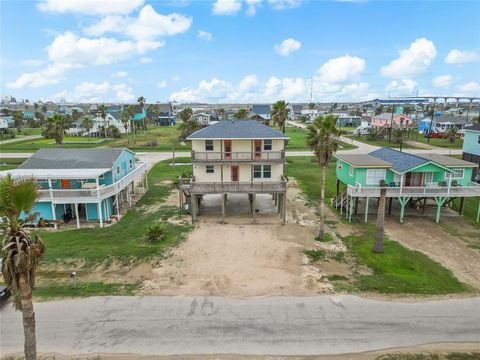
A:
[391,126]
[431,121]
[468,110]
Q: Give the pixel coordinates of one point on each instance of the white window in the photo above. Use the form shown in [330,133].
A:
[262,171]
[130,163]
[429,177]
[267,145]
[458,174]
[209,169]
[374,176]
[350,171]
[208,145]
[397,179]
[101,177]
[257,171]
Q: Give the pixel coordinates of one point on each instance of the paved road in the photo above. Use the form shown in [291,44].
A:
[266,326]
[22,138]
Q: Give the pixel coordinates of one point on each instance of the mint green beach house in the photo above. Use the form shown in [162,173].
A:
[410,179]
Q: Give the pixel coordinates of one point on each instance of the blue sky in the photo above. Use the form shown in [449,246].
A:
[238,51]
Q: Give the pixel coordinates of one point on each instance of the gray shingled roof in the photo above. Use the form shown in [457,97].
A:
[239,129]
[364,160]
[401,161]
[475,127]
[447,161]
[72,159]
[261,109]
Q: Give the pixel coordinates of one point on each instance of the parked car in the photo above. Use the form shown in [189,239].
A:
[4,294]
[363,130]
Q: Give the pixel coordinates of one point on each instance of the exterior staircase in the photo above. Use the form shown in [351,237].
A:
[340,201]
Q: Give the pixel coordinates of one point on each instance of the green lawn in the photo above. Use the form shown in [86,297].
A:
[429,356]
[124,241]
[381,143]
[10,163]
[398,269]
[25,132]
[458,144]
[55,290]
[298,140]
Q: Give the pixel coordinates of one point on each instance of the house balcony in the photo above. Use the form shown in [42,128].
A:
[471,190]
[235,156]
[190,186]
[94,194]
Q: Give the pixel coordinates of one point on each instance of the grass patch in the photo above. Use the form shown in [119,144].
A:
[10,163]
[124,241]
[326,238]
[399,270]
[445,143]
[382,142]
[428,356]
[315,255]
[336,277]
[298,140]
[83,290]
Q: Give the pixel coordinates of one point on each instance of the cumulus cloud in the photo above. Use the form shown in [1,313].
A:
[162,84]
[204,35]
[412,61]
[341,69]
[146,60]
[284,4]
[226,7]
[51,75]
[90,7]
[248,82]
[471,88]
[287,46]
[95,92]
[442,81]
[456,56]
[148,25]
[119,74]
[402,87]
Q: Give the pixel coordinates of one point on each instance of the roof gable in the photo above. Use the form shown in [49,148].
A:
[400,161]
[261,108]
[239,129]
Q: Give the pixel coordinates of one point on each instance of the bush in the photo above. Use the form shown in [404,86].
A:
[155,232]
[151,143]
[315,255]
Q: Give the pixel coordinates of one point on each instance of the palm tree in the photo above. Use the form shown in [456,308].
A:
[102,111]
[241,114]
[87,124]
[380,228]
[21,252]
[141,101]
[18,120]
[54,128]
[221,113]
[398,137]
[44,109]
[185,114]
[129,114]
[323,139]
[279,114]
[452,135]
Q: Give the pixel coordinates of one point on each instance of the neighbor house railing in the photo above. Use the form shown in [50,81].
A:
[101,192]
[213,156]
[470,190]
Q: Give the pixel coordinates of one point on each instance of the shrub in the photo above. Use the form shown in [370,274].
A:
[315,255]
[151,143]
[155,232]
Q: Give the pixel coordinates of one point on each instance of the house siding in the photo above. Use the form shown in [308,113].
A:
[471,143]
[122,165]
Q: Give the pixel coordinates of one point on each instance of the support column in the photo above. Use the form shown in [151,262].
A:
[284,208]
[356,205]
[193,199]
[367,199]
[351,210]
[341,204]
[440,201]
[76,215]
[338,187]
[224,200]
[279,203]
[99,211]
[424,205]
[390,206]
[118,206]
[403,201]
[478,212]
[54,216]
[253,208]
[462,205]
[146,181]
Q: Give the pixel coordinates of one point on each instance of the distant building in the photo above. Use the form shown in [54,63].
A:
[205,118]
[442,124]
[28,115]
[166,116]
[348,120]
[385,120]
[471,148]
[386,102]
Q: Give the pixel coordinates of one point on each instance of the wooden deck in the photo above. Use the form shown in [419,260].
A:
[249,156]
[189,185]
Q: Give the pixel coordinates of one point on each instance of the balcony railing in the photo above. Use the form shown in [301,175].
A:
[195,187]
[246,156]
[471,190]
[97,194]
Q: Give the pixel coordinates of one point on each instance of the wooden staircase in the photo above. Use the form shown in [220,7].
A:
[340,201]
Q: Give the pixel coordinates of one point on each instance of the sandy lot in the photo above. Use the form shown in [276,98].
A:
[241,259]
[448,248]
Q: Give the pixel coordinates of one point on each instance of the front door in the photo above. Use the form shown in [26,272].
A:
[413,179]
[227,147]
[257,144]
[234,173]
[65,183]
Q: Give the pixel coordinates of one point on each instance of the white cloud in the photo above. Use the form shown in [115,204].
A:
[147,26]
[51,75]
[90,7]
[252,6]
[119,74]
[146,60]
[33,62]
[248,82]
[123,93]
[226,7]
[284,4]
[88,89]
[204,35]
[175,78]
[287,46]
[402,87]
[412,61]
[442,81]
[341,69]
[456,56]
[96,92]
[162,84]
[469,89]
